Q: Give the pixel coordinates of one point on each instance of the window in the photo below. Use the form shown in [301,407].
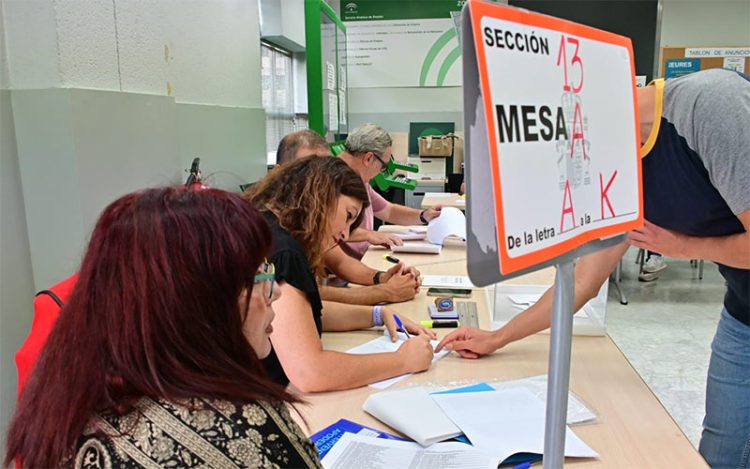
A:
[278,96]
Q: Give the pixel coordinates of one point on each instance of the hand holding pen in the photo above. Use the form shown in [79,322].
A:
[393,323]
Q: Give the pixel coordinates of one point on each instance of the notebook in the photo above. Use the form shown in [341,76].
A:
[412,412]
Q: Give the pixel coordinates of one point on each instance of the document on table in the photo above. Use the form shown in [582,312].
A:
[505,422]
[438,195]
[384,345]
[412,412]
[451,222]
[447,281]
[365,452]
[418,248]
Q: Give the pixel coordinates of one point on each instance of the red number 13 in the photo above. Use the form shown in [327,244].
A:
[562,57]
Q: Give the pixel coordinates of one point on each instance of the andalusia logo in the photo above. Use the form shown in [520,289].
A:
[439,49]
[351,7]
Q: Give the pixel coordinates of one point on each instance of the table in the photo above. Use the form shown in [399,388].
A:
[446,199]
[633,428]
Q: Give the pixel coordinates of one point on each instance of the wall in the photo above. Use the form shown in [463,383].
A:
[102,99]
[394,108]
[16,281]
[705,23]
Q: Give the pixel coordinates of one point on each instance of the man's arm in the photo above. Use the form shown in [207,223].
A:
[590,273]
[732,250]
[402,215]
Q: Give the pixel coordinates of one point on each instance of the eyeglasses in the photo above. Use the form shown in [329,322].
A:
[383,164]
[268,275]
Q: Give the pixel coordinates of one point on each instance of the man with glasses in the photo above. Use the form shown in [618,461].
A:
[368,150]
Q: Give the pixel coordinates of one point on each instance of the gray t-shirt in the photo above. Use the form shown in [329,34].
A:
[696,178]
[711,110]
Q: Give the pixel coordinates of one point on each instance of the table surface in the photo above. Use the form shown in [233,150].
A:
[633,429]
[445,199]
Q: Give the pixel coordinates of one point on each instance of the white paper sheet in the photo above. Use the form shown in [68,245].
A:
[419,248]
[438,195]
[505,422]
[362,452]
[384,345]
[414,413]
[447,281]
[451,222]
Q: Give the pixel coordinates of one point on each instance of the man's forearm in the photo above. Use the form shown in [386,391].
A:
[359,234]
[348,268]
[371,295]
[732,250]
[401,215]
[590,273]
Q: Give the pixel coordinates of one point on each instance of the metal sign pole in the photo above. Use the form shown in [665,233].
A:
[559,366]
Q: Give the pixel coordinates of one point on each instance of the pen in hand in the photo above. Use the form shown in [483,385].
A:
[401,326]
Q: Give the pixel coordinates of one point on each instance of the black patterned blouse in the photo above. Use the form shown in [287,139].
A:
[195,433]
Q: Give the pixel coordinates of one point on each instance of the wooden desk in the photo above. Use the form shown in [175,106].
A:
[453,200]
[633,429]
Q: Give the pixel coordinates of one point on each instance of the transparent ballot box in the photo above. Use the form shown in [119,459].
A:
[509,300]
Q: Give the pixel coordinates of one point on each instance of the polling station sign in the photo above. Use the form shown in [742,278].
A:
[557,107]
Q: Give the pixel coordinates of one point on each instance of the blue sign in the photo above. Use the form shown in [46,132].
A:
[679,67]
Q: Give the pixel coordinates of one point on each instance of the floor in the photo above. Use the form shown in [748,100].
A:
[665,331]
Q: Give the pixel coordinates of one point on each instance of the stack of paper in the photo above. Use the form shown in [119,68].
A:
[451,222]
[409,235]
[384,345]
[505,422]
[419,248]
[357,451]
[412,412]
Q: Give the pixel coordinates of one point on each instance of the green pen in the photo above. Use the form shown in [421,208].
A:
[436,324]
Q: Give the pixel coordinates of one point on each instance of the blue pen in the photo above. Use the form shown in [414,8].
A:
[401,326]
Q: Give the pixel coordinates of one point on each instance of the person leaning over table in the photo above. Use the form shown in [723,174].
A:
[392,286]
[368,150]
[696,181]
[154,359]
[311,204]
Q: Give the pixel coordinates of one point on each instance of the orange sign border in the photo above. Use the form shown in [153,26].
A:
[480,10]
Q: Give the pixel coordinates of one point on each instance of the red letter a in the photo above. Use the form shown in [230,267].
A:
[567,197]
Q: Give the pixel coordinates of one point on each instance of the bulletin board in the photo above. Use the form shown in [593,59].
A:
[677,61]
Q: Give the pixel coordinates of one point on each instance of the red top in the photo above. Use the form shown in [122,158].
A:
[46,311]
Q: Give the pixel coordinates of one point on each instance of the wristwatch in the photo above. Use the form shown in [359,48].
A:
[376,277]
[422,218]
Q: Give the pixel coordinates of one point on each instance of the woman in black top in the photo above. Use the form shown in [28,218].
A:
[311,204]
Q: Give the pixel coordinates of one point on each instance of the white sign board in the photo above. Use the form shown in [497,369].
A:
[562,141]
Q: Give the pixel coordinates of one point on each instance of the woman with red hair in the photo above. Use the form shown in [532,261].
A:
[154,360]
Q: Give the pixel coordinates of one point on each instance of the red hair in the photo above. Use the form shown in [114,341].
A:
[154,313]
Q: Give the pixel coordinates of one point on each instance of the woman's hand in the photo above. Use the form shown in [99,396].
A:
[469,342]
[416,354]
[387,315]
